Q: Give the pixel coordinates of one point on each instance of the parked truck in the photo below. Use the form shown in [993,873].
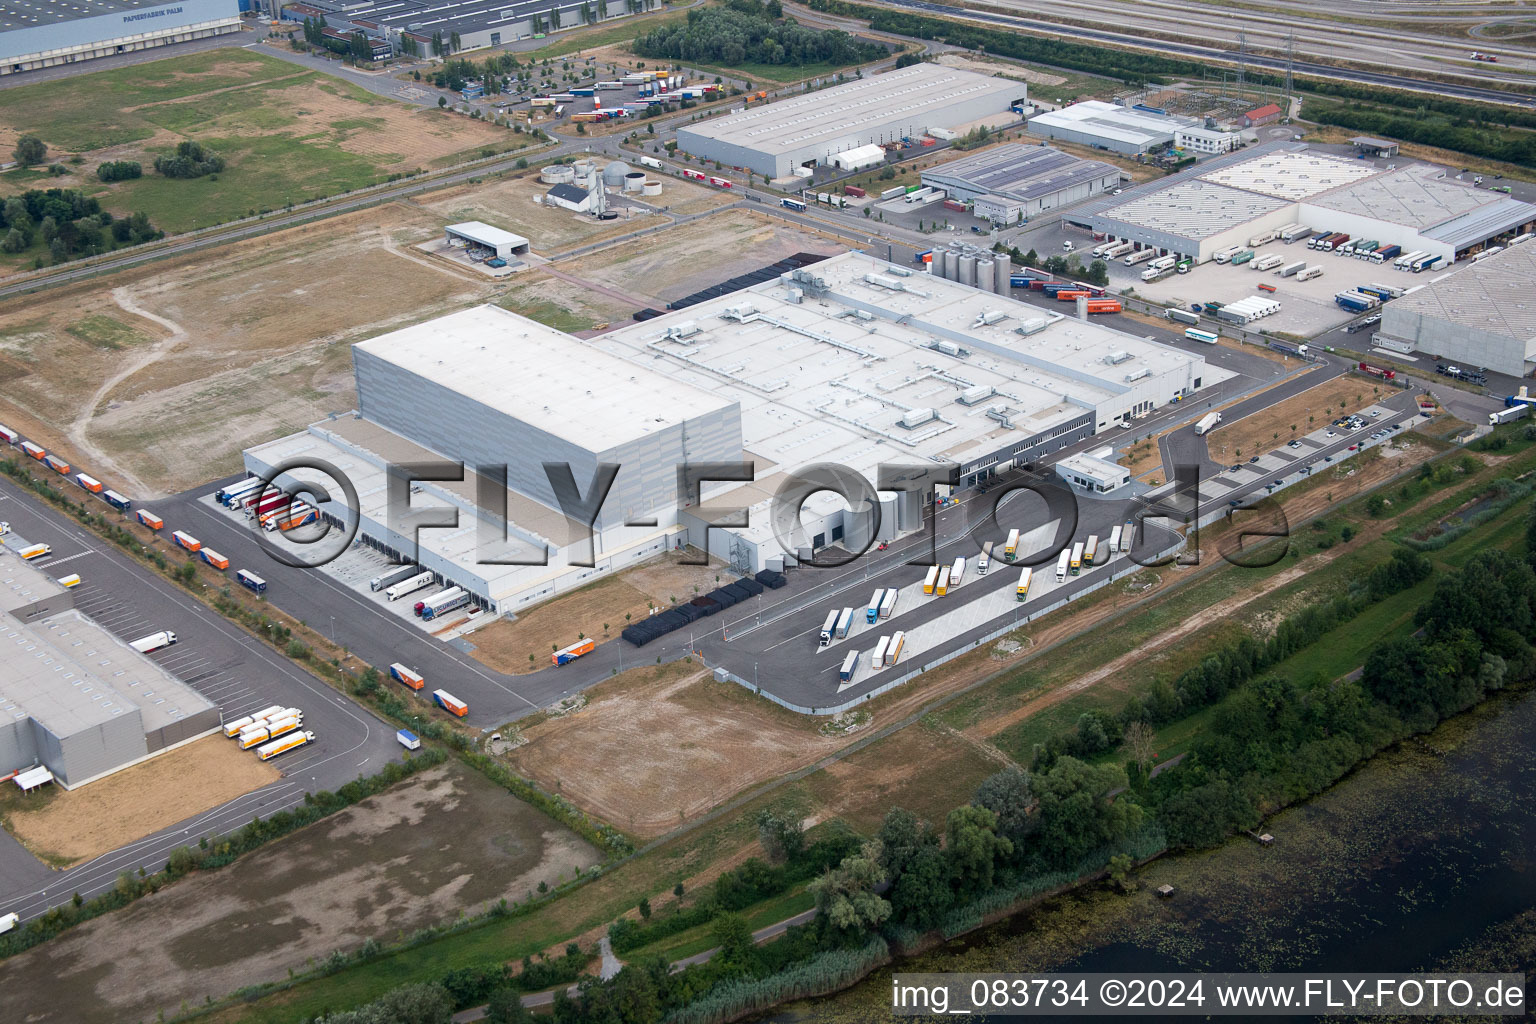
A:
[56,464]
[292,741]
[1292,269]
[443,607]
[1140,256]
[1386,252]
[1356,302]
[396,591]
[849,667]
[1246,256]
[828,629]
[1183,316]
[149,519]
[1269,262]
[1309,273]
[1207,423]
[438,599]
[185,540]
[154,641]
[1295,233]
[566,655]
[1506,415]
[213,558]
[407,677]
[399,574]
[1262,238]
[844,622]
[449,703]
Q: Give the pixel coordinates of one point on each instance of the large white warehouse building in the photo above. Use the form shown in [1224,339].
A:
[815,127]
[42,33]
[1230,199]
[1482,315]
[74,699]
[852,361]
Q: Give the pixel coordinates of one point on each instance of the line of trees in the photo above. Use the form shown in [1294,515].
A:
[1510,145]
[750,32]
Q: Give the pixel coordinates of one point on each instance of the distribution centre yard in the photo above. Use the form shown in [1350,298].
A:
[65,827]
[445,841]
[288,135]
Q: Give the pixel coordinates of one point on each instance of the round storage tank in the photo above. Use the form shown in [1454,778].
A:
[859,524]
[1004,270]
[583,168]
[615,173]
[557,174]
[985,276]
[889,526]
[909,510]
[968,270]
[634,181]
[651,188]
[951,265]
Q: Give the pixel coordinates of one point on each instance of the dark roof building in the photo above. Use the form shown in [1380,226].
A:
[1012,182]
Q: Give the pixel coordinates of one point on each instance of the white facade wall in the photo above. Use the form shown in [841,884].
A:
[1358,226]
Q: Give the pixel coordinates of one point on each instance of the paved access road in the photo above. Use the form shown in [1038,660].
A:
[219,660]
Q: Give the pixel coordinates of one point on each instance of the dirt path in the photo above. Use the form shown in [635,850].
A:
[992,726]
[79,428]
[605,290]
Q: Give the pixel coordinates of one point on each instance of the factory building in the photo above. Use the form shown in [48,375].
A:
[478,23]
[1111,127]
[853,361]
[1480,315]
[1011,183]
[41,33]
[1230,199]
[815,127]
[74,699]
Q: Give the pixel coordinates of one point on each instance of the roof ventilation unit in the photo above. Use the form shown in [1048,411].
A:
[1034,325]
[686,329]
[1136,375]
[1117,357]
[988,317]
[917,417]
[979,393]
[949,348]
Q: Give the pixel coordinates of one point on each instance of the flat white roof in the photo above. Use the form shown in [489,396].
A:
[1095,468]
[1111,121]
[542,376]
[486,234]
[817,382]
[1416,196]
[922,91]
[1291,175]
[1493,295]
[1194,209]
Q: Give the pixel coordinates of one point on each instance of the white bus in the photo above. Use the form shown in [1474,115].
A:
[1195,334]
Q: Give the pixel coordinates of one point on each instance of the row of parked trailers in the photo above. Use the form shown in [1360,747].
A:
[84,480]
[886,653]
[270,731]
[659,625]
[411,679]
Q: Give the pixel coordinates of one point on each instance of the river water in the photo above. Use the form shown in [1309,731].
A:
[1424,859]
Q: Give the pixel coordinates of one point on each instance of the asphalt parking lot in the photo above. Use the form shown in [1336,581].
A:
[237,672]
